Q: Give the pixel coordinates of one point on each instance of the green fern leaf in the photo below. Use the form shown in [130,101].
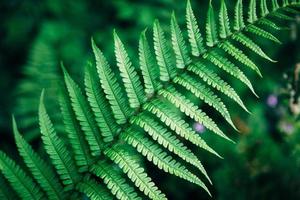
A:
[111,87]
[238,16]
[179,46]
[190,109]
[114,181]
[169,141]
[149,70]
[99,105]
[205,94]
[224,21]
[211,28]
[129,75]
[229,67]
[84,115]
[57,150]
[78,143]
[252,16]
[6,192]
[264,8]
[270,24]
[134,172]
[275,5]
[93,190]
[25,187]
[215,81]
[160,158]
[179,126]
[239,56]
[246,41]
[194,34]
[262,33]
[162,53]
[41,171]
[282,16]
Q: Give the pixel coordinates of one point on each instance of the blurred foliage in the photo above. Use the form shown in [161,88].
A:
[37,35]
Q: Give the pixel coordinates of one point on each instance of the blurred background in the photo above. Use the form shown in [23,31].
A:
[35,36]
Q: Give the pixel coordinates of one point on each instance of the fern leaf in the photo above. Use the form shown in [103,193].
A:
[6,192]
[212,79]
[194,34]
[229,67]
[179,46]
[179,126]
[134,172]
[84,115]
[264,8]
[238,16]
[262,33]
[205,94]
[169,141]
[24,185]
[129,75]
[41,171]
[246,41]
[282,16]
[78,143]
[57,150]
[211,28]
[99,105]
[160,158]
[224,21]
[269,23]
[162,53]
[190,109]
[114,181]
[239,56]
[93,190]
[275,5]
[111,87]
[252,16]
[149,70]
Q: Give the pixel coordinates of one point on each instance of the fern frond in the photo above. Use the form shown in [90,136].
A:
[41,171]
[111,87]
[93,190]
[270,24]
[134,172]
[211,27]
[169,141]
[129,75]
[149,70]
[275,5]
[76,137]
[179,126]
[162,52]
[6,192]
[238,16]
[246,41]
[239,56]
[24,185]
[84,115]
[179,46]
[212,79]
[252,16]
[114,181]
[262,33]
[264,8]
[225,30]
[99,105]
[56,149]
[160,158]
[205,94]
[194,34]
[229,67]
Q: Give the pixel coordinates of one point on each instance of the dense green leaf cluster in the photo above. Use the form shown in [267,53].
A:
[107,119]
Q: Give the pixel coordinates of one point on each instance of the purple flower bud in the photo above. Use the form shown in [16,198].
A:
[199,127]
[272,100]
